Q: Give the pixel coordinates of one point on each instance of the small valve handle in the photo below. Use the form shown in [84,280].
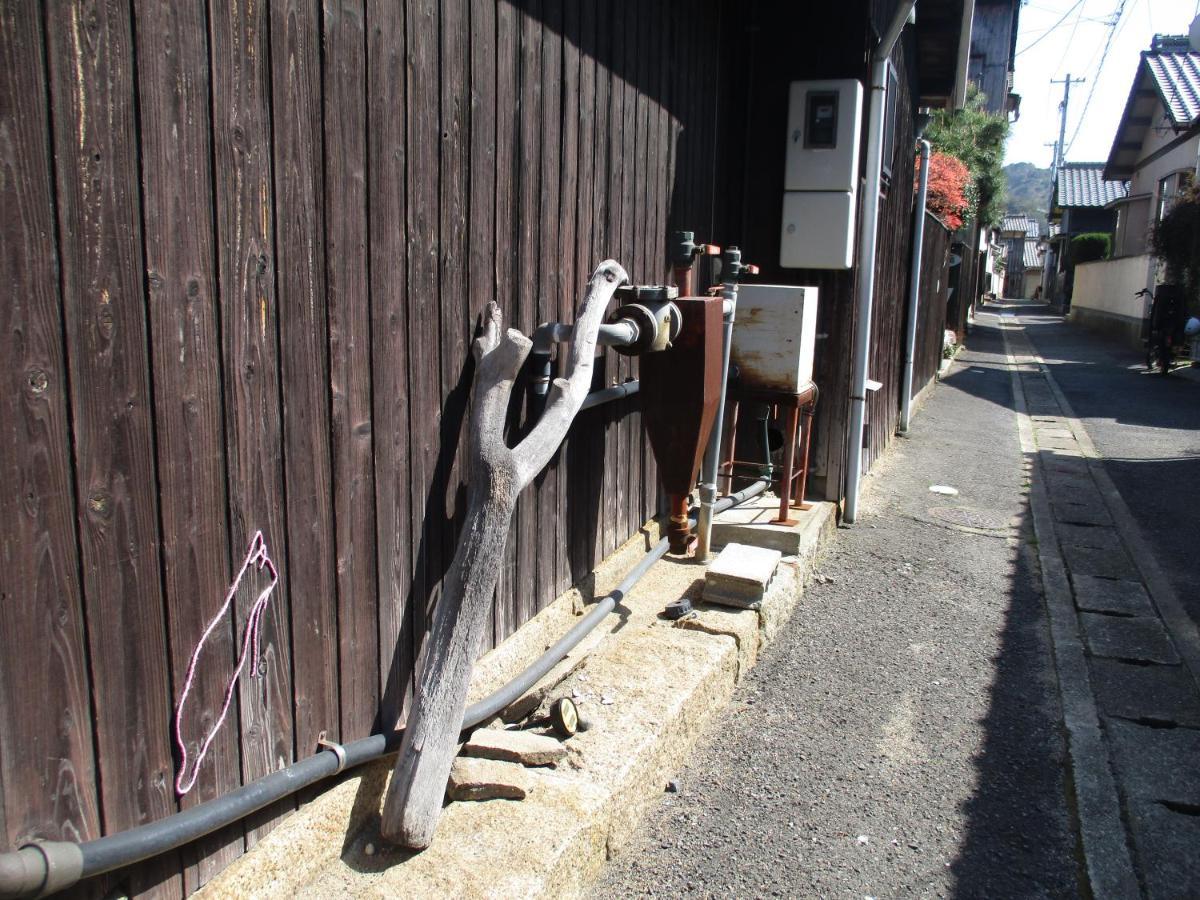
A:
[684,249]
[732,267]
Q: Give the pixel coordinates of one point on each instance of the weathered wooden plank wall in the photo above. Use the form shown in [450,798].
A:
[892,266]
[964,280]
[247,244]
[931,309]
[781,43]
[790,42]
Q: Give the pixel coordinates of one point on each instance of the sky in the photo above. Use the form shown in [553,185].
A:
[1057,37]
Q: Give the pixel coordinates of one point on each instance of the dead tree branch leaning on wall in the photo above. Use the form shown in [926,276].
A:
[496,475]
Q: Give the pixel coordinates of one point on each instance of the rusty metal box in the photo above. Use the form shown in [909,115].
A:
[774,335]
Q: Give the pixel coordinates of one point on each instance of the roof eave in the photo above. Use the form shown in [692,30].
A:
[1113,171]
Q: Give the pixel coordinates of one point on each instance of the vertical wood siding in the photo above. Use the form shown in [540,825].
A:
[931,309]
[247,244]
[792,42]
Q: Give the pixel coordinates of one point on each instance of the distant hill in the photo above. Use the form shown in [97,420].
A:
[1028,191]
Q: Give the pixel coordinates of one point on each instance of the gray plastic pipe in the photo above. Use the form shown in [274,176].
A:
[39,869]
[545,336]
[867,246]
[914,289]
[712,453]
[616,392]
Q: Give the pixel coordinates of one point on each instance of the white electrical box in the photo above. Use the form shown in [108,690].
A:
[774,335]
[821,174]
[824,128]
[818,230]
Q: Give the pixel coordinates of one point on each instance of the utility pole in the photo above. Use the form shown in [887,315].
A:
[1052,262]
[1060,150]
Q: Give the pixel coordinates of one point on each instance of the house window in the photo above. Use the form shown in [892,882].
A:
[1170,188]
[889,125]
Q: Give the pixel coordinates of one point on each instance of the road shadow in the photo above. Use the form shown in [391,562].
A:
[1013,845]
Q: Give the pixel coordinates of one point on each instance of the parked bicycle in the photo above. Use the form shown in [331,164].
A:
[1166,327]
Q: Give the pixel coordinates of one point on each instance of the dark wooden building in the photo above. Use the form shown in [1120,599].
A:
[246,244]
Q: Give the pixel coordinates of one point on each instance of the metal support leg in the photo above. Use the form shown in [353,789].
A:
[789,462]
[800,502]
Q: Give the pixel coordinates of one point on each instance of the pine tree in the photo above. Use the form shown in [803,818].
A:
[976,137]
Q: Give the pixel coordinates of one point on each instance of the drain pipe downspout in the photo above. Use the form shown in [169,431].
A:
[868,234]
[731,269]
[914,289]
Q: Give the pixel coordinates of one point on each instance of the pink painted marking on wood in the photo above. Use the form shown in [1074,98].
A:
[257,556]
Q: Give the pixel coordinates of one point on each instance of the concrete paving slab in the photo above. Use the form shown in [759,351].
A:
[1061,462]
[487,779]
[522,747]
[1131,691]
[1059,431]
[1072,488]
[1081,513]
[1166,842]
[1098,536]
[1057,443]
[1156,763]
[739,575]
[1141,638]
[1106,595]
[1112,563]
[750,524]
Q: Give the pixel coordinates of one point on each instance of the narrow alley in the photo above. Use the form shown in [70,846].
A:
[929,726]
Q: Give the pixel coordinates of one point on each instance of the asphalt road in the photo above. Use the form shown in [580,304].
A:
[1147,428]
[902,737]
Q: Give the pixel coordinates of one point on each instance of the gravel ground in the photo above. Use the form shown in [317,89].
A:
[902,736]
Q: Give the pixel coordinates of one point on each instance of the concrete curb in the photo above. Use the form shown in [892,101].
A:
[1107,859]
[1183,630]
[650,687]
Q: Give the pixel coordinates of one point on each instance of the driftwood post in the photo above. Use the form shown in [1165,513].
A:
[496,475]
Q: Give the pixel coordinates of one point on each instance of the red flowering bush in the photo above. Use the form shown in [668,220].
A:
[948,184]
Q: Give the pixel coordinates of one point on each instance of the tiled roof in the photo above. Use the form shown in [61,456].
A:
[1033,255]
[1083,184]
[1021,223]
[1167,73]
[1178,78]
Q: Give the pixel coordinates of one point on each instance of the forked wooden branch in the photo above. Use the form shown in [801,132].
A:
[496,475]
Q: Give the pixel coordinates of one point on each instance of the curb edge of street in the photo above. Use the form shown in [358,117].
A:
[1107,860]
[1182,629]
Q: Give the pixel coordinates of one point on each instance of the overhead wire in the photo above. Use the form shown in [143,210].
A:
[1050,30]
[1112,33]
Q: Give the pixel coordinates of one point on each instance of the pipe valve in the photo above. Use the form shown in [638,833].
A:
[732,267]
[684,249]
[651,309]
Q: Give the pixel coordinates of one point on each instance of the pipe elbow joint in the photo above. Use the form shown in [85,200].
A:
[39,869]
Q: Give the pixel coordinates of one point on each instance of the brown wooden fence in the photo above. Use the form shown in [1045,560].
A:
[931,307]
[245,244]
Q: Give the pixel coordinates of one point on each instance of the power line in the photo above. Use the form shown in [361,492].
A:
[1050,30]
[1112,32]
[1075,27]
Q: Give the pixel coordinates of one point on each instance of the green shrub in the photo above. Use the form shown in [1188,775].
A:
[1089,247]
[1176,241]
